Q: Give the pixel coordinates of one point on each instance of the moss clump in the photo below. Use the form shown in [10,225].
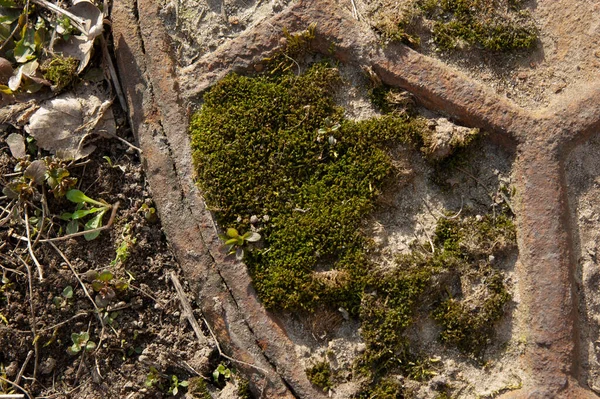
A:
[277,145]
[60,71]
[320,375]
[470,328]
[197,388]
[243,390]
[424,281]
[489,24]
[384,389]
[494,25]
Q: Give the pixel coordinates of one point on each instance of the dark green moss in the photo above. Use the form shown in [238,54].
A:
[277,145]
[320,375]
[469,327]
[384,389]
[420,280]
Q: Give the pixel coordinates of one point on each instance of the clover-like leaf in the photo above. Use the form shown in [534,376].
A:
[67,292]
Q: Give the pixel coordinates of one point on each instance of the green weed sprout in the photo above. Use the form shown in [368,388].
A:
[221,371]
[175,384]
[81,342]
[235,242]
[104,284]
[82,200]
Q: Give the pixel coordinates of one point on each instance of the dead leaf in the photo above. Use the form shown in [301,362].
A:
[16,144]
[61,124]
[36,171]
[78,47]
[91,15]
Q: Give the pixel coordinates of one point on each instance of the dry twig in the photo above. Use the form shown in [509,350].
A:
[187,310]
[33,318]
[30,247]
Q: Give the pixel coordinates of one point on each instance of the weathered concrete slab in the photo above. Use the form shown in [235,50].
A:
[541,139]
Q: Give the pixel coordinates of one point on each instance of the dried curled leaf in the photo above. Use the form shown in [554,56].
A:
[61,124]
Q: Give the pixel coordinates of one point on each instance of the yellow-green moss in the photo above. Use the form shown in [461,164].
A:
[60,71]
[494,25]
[320,375]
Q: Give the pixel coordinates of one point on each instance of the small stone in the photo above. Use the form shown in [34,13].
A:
[479,218]
[361,348]
[253,219]
[491,258]
[522,75]
[6,70]
[47,366]
[12,369]
[266,218]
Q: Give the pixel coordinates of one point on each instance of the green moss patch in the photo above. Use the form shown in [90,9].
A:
[60,71]
[278,148]
[274,153]
[494,25]
[320,375]
[427,282]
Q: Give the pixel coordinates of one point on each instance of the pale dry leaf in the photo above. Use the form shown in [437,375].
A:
[92,16]
[16,144]
[61,124]
[78,47]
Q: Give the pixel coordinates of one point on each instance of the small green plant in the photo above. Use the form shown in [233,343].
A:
[235,242]
[62,300]
[123,250]
[153,378]
[104,284]
[221,374]
[81,342]
[175,384]
[149,213]
[82,211]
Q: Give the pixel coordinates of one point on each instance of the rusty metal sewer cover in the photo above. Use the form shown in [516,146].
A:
[541,140]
